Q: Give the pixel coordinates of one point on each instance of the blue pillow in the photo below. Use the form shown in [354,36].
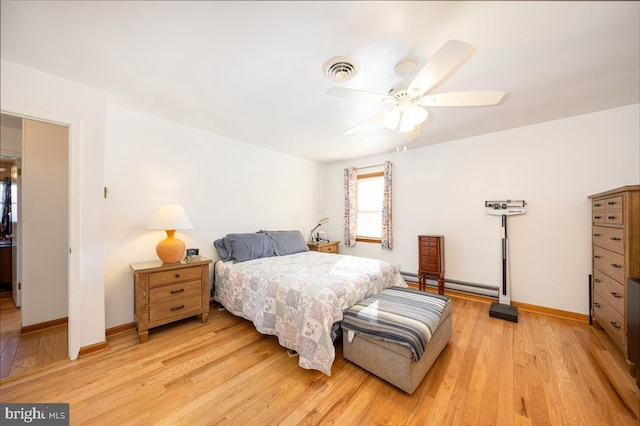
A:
[288,242]
[223,246]
[251,246]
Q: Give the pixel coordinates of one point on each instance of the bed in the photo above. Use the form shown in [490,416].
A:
[297,296]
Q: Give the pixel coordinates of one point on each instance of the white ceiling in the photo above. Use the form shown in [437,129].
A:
[252,71]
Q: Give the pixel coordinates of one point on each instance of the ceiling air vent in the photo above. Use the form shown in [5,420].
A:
[341,69]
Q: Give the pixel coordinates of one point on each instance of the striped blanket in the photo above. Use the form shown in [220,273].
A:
[399,315]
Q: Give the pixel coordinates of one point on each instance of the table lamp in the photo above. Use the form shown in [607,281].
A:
[170,217]
[320,223]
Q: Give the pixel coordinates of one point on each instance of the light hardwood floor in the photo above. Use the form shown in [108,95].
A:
[542,370]
[21,354]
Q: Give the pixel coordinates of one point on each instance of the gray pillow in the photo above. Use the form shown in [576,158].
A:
[223,246]
[288,242]
[251,246]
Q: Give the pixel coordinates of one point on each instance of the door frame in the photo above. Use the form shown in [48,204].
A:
[74,290]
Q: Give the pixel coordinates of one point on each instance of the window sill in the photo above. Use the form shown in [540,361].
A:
[368,240]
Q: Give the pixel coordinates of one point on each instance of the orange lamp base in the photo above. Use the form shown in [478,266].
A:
[171,249]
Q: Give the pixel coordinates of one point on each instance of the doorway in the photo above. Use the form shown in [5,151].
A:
[40,236]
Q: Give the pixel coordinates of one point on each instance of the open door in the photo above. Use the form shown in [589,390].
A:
[16,274]
[43,222]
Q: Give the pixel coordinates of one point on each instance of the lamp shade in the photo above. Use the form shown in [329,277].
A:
[170,217]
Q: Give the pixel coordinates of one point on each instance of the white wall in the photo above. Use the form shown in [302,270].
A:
[30,93]
[11,142]
[224,186]
[554,166]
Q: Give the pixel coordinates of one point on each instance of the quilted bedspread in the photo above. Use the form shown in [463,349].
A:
[298,297]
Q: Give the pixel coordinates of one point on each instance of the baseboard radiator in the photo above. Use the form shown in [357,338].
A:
[466,287]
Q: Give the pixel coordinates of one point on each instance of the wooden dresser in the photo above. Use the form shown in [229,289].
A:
[431,260]
[329,247]
[616,257]
[168,292]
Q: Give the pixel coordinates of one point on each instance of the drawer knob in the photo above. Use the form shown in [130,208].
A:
[598,205]
[616,325]
[596,304]
[596,280]
[597,217]
[177,308]
[596,235]
[616,239]
[616,295]
[177,291]
[611,203]
[597,257]
[615,265]
[178,275]
[611,217]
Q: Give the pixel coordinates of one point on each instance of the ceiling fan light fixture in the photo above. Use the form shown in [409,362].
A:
[416,114]
[411,118]
[391,119]
[406,126]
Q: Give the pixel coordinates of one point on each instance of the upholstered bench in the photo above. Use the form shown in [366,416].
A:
[397,334]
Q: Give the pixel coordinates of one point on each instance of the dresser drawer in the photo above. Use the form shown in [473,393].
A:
[430,250]
[610,290]
[429,244]
[610,238]
[174,291]
[608,210]
[611,203]
[179,275]
[611,320]
[609,262]
[610,217]
[613,217]
[180,307]
[429,259]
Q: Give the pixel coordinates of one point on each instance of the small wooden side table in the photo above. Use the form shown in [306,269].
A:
[168,292]
[328,247]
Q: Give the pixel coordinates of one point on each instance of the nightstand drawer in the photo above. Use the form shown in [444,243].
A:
[333,248]
[168,277]
[174,291]
[186,306]
[330,247]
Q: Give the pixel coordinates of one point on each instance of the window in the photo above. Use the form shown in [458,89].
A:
[370,202]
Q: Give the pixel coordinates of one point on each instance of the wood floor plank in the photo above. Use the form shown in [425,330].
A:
[539,371]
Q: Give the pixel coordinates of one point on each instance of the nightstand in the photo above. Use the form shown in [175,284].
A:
[168,292]
[329,247]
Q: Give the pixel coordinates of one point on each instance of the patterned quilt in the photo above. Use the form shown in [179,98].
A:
[298,297]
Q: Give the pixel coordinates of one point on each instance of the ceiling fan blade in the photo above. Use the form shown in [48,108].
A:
[364,123]
[457,99]
[441,63]
[359,95]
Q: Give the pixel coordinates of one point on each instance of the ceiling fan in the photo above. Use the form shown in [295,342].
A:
[407,100]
